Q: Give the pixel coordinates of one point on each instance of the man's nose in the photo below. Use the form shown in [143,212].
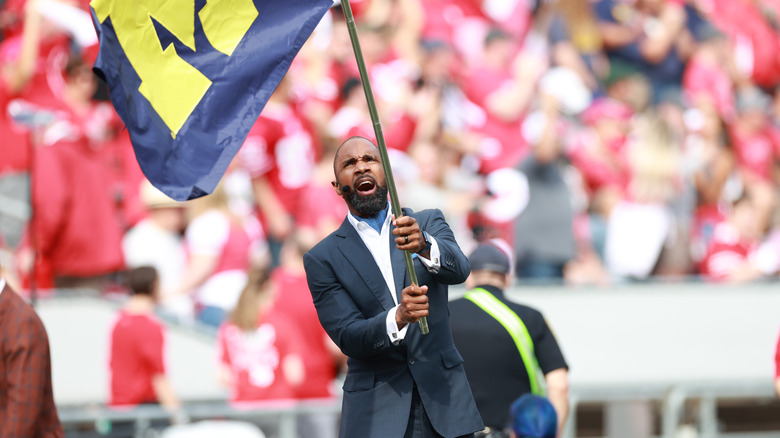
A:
[361,166]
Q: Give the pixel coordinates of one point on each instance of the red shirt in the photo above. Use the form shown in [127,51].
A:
[503,144]
[753,37]
[281,149]
[709,79]
[755,153]
[444,17]
[323,206]
[15,147]
[705,219]
[600,165]
[777,359]
[727,249]
[293,299]
[235,255]
[255,358]
[76,220]
[137,343]
[45,88]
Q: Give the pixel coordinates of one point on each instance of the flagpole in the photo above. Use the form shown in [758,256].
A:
[380,139]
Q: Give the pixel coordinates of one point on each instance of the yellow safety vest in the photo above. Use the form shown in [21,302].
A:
[517,329]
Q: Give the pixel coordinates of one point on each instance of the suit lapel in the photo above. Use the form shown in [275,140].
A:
[358,255]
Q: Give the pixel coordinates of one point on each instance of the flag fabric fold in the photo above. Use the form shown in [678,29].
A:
[190,77]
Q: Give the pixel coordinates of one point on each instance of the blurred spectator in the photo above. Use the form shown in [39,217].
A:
[752,28]
[221,247]
[709,78]
[598,153]
[650,34]
[353,112]
[642,222]
[259,350]
[324,210]
[76,227]
[502,84]
[280,155]
[26,400]
[437,182]
[777,367]
[322,359]
[544,230]
[137,350]
[712,162]
[629,85]
[157,241]
[736,252]
[446,116]
[757,149]
[17,67]
[576,42]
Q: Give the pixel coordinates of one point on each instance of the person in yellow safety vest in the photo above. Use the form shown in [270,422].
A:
[508,348]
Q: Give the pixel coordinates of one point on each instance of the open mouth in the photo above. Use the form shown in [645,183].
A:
[365,185]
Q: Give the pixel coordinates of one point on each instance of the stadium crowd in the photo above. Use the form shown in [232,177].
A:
[604,140]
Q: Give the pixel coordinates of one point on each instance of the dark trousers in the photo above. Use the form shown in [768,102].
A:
[419,426]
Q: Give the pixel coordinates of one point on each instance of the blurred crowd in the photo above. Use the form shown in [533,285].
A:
[603,140]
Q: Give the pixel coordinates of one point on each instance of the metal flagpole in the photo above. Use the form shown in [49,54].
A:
[380,139]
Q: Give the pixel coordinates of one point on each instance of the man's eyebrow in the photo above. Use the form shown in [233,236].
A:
[348,161]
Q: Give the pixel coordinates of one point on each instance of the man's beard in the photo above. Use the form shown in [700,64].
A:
[369,206]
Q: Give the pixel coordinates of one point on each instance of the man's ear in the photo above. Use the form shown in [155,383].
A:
[508,280]
[336,188]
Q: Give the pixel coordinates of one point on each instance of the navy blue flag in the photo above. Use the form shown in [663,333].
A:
[190,77]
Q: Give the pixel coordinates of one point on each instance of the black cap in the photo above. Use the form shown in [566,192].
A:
[488,257]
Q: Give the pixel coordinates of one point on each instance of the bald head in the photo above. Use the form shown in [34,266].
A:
[348,144]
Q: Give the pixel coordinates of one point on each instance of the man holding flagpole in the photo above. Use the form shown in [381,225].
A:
[400,382]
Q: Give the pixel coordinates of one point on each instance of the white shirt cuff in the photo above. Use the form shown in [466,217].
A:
[433,264]
[395,335]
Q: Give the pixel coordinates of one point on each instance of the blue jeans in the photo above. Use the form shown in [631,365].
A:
[212,316]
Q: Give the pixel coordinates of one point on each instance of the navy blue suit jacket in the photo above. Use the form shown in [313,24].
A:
[352,301]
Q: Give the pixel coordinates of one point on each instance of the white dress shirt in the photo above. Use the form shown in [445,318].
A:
[377,245]
[2,285]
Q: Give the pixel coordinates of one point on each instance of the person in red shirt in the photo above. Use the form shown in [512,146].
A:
[138,373]
[732,252]
[321,357]
[17,66]
[777,367]
[756,149]
[707,80]
[502,85]
[259,348]
[754,34]
[75,226]
[599,152]
[280,155]
[324,208]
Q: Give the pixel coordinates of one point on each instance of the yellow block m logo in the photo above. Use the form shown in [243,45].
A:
[171,85]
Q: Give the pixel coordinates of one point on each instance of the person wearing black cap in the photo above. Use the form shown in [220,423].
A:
[508,348]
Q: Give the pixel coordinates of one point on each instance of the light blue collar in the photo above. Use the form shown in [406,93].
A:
[377,221]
